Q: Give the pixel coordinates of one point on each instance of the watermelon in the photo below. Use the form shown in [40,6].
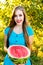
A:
[18,54]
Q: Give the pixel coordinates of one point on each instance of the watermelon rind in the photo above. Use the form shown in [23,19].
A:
[19,61]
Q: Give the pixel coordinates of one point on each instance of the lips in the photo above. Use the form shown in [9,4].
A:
[19,21]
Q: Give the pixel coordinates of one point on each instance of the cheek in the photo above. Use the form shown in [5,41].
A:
[15,19]
[22,18]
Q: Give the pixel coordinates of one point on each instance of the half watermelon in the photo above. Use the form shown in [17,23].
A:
[18,54]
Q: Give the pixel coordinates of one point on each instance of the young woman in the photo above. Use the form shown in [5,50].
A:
[22,33]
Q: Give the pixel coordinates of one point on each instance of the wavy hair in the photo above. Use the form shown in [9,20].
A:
[24,25]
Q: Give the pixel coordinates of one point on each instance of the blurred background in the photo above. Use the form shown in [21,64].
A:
[34,10]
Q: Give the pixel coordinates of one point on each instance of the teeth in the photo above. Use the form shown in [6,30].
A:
[18,20]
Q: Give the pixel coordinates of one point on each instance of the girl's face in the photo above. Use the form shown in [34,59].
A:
[19,17]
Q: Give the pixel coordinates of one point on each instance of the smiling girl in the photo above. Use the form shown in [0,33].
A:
[22,33]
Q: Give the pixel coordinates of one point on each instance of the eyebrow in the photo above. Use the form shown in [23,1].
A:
[19,14]
[16,14]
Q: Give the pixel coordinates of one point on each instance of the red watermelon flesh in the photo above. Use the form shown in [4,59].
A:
[17,51]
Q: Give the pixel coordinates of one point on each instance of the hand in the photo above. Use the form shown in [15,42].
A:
[19,64]
[5,49]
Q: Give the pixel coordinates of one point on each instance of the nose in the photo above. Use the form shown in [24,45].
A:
[18,17]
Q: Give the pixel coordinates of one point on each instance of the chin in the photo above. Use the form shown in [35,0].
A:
[19,23]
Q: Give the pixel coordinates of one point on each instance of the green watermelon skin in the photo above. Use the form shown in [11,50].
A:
[19,60]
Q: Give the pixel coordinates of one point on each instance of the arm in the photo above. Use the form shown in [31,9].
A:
[31,39]
[5,39]
[30,33]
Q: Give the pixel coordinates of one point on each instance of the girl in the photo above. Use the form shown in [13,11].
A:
[21,34]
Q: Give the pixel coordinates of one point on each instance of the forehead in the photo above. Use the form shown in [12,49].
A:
[18,12]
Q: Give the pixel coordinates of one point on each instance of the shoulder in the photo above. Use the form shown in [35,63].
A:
[6,30]
[29,30]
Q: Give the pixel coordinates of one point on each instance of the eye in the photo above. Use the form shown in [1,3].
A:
[15,16]
[20,15]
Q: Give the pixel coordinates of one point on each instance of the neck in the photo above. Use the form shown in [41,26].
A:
[19,26]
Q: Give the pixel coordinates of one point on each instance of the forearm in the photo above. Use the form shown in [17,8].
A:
[29,46]
[5,49]
[31,39]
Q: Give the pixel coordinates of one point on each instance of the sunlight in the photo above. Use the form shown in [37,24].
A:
[2,1]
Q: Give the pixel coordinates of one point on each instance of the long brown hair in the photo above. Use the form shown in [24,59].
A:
[25,23]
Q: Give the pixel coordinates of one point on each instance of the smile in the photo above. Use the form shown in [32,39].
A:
[19,21]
